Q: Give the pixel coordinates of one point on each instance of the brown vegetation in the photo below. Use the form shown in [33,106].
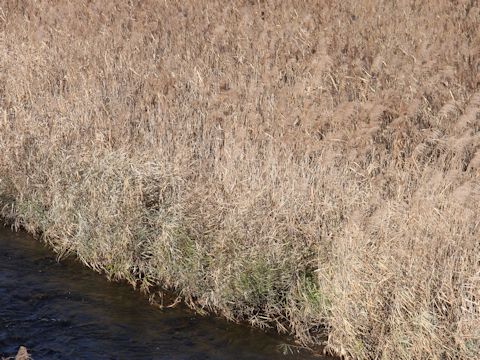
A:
[312,166]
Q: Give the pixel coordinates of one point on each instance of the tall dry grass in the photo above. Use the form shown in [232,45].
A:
[310,166]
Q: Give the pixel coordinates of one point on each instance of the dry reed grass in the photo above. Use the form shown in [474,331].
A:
[310,166]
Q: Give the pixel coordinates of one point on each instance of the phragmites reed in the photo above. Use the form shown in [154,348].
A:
[309,166]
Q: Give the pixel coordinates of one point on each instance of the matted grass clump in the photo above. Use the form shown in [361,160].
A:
[309,166]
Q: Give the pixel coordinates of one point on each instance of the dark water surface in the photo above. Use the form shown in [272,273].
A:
[64,311]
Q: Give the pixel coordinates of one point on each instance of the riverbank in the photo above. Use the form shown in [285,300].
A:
[63,310]
[310,168]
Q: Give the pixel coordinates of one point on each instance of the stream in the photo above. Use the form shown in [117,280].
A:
[62,310]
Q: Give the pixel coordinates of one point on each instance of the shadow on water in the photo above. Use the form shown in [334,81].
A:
[65,311]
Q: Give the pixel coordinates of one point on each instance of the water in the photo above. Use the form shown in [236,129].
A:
[64,311]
